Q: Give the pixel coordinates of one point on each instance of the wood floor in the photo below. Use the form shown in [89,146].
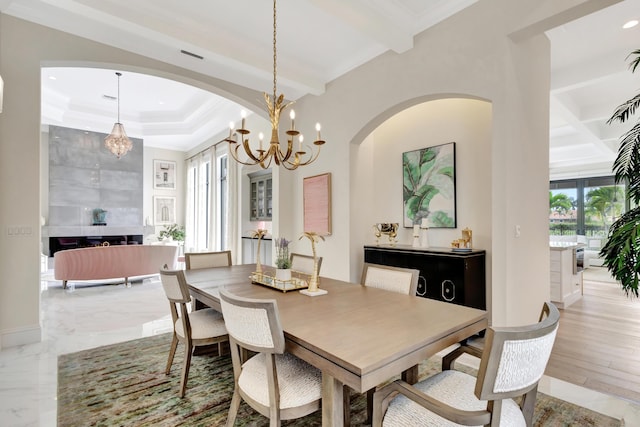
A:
[598,342]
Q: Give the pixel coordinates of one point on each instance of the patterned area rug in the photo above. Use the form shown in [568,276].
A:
[124,385]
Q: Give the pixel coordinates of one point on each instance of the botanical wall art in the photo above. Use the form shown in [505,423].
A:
[164,174]
[429,186]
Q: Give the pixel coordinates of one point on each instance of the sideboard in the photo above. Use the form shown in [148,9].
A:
[455,277]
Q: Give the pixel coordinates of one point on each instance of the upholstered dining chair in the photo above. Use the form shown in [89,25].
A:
[304,263]
[192,329]
[511,365]
[276,384]
[388,278]
[395,279]
[196,260]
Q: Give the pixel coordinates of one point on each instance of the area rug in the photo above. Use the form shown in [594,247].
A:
[124,385]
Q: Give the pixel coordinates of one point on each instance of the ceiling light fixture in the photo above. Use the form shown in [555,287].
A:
[117,142]
[630,24]
[290,159]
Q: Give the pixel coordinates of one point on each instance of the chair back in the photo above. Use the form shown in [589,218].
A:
[253,323]
[175,286]
[304,263]
[514,358]
[196,260]
[395,279]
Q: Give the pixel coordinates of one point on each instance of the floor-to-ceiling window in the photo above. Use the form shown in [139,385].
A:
[207,213]
[585,206]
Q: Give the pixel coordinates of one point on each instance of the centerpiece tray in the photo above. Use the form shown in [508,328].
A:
[298,281]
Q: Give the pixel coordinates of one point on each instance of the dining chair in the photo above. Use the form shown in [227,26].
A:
[304,263]
[276,384]
[192,329]
[196,260]
[512,362]
[388,278]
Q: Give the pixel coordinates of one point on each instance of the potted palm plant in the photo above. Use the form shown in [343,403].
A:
[621,252]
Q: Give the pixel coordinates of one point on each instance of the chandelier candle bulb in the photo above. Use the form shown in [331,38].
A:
[300,139]
[243,114]
[231,128]
[260,138]
[318,129]
[292,114]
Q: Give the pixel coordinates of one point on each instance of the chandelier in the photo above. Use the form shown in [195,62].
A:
[117,142]
[289,159]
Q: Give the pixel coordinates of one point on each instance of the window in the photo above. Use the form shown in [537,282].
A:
[586,206]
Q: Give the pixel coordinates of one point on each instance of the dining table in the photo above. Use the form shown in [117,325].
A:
[355,335]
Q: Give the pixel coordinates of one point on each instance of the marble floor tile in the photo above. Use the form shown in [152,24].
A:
[91,315]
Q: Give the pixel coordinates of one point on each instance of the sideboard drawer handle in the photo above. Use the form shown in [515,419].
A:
[448,288]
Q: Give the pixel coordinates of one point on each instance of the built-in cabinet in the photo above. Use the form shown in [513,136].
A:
[566,276]
[455,277]
[261,196]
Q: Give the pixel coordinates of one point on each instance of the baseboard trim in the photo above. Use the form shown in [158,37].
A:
[21,336]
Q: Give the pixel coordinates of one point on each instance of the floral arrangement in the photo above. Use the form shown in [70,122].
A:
[173,231]
[282,253]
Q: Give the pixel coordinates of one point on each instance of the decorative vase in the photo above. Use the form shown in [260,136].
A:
[283,274]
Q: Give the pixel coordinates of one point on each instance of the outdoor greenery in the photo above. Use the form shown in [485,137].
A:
[174,231]
[621,252]
[603,205]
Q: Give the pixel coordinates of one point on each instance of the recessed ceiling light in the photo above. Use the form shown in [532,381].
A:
[161,102]
[630,24]
[52,78]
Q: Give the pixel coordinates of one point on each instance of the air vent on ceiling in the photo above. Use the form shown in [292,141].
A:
[186,52]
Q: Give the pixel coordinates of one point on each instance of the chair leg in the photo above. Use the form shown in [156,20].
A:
[172,352]
[185,368]
[233,409]
[527,405]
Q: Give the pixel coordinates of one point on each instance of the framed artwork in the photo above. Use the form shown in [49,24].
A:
[164,174]
[429,186]
[316,192]
[164,210]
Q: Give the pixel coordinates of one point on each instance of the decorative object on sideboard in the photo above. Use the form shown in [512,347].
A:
[290,159]
[99,216]
[283,262]
[390,229]
[258,234]
[429,186]
[416,236]
[117,141]
[424,233]
[465,242]
[314,280]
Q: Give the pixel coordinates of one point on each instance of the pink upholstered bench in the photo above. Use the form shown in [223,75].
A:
[113,262]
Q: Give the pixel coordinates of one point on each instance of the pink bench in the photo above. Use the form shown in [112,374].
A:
[113,262]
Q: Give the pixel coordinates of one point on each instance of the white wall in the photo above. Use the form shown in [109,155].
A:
[494,50]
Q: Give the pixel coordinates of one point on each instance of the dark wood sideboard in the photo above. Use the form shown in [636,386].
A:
[455,277]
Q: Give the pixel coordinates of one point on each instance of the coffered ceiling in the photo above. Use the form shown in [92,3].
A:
[318,40]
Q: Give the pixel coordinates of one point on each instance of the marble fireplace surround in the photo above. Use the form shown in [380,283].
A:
[83,176]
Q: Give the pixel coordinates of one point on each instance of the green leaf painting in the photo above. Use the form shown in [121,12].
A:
[429,186]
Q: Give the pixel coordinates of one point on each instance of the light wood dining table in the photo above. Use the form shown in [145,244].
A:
[355,335]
